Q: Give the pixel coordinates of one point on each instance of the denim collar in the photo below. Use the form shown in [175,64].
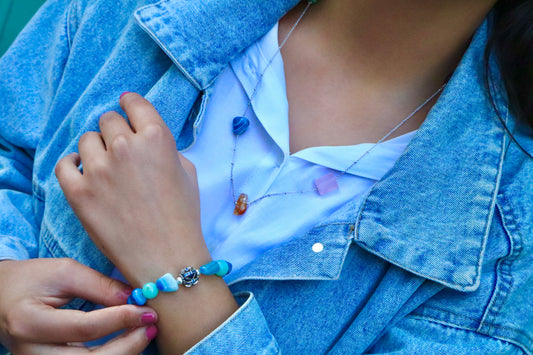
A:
[175,24]
[430,214]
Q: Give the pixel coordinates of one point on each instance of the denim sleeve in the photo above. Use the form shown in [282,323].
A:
[30,74]
[413,335]
[245,332]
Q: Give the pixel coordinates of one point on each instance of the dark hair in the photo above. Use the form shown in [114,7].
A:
[512,43]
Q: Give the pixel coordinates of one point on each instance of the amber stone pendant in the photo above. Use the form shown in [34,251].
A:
[241,205]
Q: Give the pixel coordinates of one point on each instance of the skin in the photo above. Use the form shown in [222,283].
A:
[360,63]
[31,323]
[367,64]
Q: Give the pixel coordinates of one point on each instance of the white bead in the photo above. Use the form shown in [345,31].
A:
[318,247]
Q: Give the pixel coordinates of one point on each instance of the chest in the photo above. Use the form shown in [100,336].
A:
[329,105]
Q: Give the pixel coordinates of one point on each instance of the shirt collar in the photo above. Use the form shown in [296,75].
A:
[260,73]
[175,26]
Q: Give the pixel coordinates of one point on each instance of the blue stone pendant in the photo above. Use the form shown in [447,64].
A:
[240,125]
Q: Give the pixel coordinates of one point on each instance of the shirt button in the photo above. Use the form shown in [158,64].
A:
[318,247]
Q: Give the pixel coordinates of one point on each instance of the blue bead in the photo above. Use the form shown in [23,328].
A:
[210,268]
[131,301]
[138,297]
[150,290]
[230,267]
[167,283]
[224,268]
[240,125]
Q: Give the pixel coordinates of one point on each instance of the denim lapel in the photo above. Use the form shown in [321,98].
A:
[299,259]
[431,213]
[227,28]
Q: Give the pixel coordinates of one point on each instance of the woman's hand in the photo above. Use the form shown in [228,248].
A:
[31,323]
[138,200]
[138,196]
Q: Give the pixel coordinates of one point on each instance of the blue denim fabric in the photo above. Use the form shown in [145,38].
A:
[437,259]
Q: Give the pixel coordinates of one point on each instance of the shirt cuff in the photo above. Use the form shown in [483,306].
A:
[245,332]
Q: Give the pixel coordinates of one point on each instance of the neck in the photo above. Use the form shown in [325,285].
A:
[392,42]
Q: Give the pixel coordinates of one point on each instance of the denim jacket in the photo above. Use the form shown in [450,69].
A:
[437,259]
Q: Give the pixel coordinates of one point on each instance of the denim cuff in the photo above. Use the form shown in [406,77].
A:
[245,332]
[12,249]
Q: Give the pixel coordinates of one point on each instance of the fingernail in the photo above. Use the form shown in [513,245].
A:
[124,93]
[148,318]
[125,293]
[151,332]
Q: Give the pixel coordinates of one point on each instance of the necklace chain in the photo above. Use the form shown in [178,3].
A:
[337,176]
[249,104]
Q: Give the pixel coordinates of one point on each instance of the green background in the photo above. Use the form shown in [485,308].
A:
[14,14]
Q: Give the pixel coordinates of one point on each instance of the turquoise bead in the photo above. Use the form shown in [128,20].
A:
[167,283]
[210,268]
[138,297]
[224,268]
[240,125]
[150,290]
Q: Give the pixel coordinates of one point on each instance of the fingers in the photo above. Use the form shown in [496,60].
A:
[91,148]
[51,325]
[113,125]
[67,171]
[132,342]
[140,111]
[86,283]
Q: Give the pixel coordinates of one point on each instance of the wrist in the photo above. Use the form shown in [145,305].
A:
[196,312]
[156,262]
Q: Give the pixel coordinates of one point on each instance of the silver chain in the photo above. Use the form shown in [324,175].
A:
[337,176]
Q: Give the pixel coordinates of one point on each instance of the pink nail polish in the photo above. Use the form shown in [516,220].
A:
[148,318]
[124,93]
[125,293]
[151,332]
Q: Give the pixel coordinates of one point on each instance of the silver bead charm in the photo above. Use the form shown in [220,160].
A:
[189,276]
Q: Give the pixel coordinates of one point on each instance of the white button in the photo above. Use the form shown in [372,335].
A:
[318,247]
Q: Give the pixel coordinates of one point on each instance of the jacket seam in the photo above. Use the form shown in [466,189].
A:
[504,278]
[46,241]
[140,19]
[522,347]
[466,317]
[231,320]
[73,6]
[490,215]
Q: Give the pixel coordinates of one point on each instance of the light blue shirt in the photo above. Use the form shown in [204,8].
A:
[264,164]
[437,258]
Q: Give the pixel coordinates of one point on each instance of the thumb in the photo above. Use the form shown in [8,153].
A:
[86,283]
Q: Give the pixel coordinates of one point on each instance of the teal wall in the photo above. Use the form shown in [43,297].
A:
[14,14]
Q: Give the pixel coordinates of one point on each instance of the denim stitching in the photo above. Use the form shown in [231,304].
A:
[459,316]
[437,321]
[141,19]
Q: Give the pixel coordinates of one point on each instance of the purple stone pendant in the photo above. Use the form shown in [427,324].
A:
[326,184]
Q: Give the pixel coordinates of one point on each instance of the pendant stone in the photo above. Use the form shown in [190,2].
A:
[241,205]
[326,184]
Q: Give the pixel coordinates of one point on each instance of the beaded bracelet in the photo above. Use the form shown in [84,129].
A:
[188,277]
